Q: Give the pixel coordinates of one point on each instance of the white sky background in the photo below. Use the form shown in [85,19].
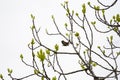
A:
[15,31]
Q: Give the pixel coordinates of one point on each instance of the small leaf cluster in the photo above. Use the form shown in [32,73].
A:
[97,7]
[41,55]
[116,18]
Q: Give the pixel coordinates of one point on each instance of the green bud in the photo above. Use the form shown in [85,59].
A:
[118,53]
[93,23]
[111,21]
[41,51]
[118,17]
[94,64]
[115,29]
[52,17]
[66,2]
[72,11]
[1,76]
[83,9]
[9,71]
[77,14]
[36,71]
[33,17]
[66,14]
[56,47]
[21,56]
[111,38]
[88,3]
[42,78]
[113,17]
[65,25]
[32,41]
[83,6]
[84,52]
[98,47]
[103,51]
[83,67]
[47,51]
[67,35]
[96,7]
[77,34]
[68,10]
[103,11]
[33,27]
[54,78]
[33,55]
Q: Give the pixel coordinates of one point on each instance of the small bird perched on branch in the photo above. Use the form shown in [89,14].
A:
[65,43]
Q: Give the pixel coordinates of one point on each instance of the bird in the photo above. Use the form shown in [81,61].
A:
[64,43]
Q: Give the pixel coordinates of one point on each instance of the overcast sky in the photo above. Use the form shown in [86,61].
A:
[15,24]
